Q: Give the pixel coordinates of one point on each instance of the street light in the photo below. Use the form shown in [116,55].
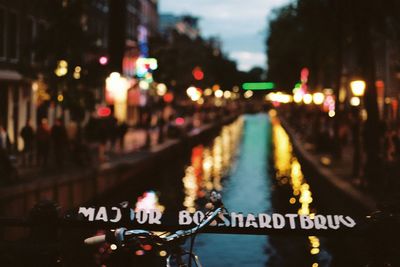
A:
[297,96]
[227,94]
[318,98]
[307,99]
[117,86]
[161,89]
[62,68]
[248,94]
[219,93]
[355,101]
[357,87]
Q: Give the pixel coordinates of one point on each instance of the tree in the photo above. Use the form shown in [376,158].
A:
[328,36]
[178,57]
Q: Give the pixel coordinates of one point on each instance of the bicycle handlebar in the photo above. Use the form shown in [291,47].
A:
[94,240]
[122,235]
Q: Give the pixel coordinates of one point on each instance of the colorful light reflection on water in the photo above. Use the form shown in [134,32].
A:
[239,153]
[209,165]
[288,170]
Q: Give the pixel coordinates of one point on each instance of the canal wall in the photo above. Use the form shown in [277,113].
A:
[333,193]
[70,191]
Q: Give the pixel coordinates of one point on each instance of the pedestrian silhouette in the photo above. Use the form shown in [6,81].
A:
[28,135]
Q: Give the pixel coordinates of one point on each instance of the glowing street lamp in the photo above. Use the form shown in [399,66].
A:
[62,68]
[248,94]
[219,93]
[297,96]
[355,101]
[318,98]
[357,87]
[227,94]
[161,89]
[208,92]
[307,99]
[117,87]
[193,93]
[144,85]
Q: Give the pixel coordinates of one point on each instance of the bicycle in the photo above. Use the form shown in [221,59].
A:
[170,244]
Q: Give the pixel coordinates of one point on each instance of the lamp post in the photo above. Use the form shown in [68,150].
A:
[358,89]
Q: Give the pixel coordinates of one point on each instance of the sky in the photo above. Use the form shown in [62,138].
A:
[240,24]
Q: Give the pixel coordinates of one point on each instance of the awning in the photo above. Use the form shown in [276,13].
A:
[10,75]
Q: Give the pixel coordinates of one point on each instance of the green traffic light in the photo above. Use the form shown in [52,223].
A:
[258,86]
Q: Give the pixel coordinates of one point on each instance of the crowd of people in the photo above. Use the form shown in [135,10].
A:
[57,145]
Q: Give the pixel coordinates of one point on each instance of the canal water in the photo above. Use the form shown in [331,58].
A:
[245,189]
[252,163]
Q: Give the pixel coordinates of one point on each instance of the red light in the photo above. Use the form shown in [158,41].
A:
[147,247]
[276,104]
[103,112]
[304,74]
[179,121]
[379,83]
[168,97]
[103,60]
[198,74]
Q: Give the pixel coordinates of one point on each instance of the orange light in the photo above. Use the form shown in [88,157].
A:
[168,97]
[147,247]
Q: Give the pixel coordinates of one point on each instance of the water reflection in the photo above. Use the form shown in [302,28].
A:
[288,170]
[236,162]
[246,189]
[208,165]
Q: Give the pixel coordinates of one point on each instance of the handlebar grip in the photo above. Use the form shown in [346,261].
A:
[94,240]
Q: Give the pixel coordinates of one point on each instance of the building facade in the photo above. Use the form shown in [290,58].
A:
[20,23]
[115,31]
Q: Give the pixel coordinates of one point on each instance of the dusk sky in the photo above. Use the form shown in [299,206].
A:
[241,25]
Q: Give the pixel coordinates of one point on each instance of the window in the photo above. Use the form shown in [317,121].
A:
[2,33]
[12,38]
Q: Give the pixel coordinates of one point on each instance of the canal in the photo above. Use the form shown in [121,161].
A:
[252,163]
